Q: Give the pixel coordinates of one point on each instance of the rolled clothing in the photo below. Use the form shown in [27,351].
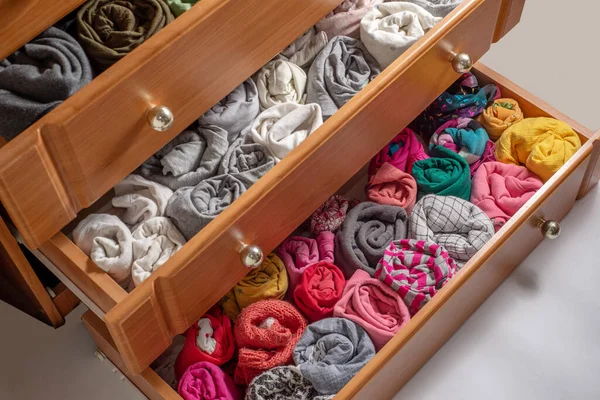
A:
[464,136]
[402,152]
[458,225]
[204,381]
[108,242]
[500,115]
[445,174]
[279,82]
[266,333]
[338,73]
[542,144]
[282,383]
[187,160]
[192,208]
[320,288]
[331,351]
[38,77]
[247,162]
[489,155]
[438,8]
[344,20]
[373,305]
[178,7]
[416,270]
[500,190]
[365,234]
[164,365]
[303,50]
[391,186]
[267,281]
[141,199]
[330,215]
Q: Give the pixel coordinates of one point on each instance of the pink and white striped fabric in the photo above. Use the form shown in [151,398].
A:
[416,269]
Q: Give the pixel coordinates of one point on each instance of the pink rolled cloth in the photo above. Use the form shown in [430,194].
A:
[373,305]
[489,154]
[344,20]
[500,190]
[204,380]
[391,186]
[402,152]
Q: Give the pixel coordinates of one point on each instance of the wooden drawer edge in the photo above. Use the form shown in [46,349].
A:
[510,15]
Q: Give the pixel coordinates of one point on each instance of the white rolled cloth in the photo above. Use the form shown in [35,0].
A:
[389,29]
[141,198]
[280,81]
[303,50]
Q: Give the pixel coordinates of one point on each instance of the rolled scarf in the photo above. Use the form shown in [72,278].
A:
[191,157]
[344,20]
[489,155]
[303,50]
[235,111]
[391,186]
[203,381]
[141,199]
[330,215]
[266,333]
[389,29]
[247,162]
[500,190]
[439,8]
[464,136]
[267,281]
[192,208]
[164,365]
[499,116]
[38,77]
[373,305]
[154,242]
[281,128]
[456,224]
[365,234]
[444,174]
[280,82]
[542,144]
[209,340]
[108,242]
[402,152]
[416,270]
[299,252]
[320,288]
[178,7]
[331,351]
[108,30]
[338,73]
[282,383]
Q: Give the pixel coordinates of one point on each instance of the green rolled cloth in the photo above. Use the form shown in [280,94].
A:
[108,30]
[445,174]
[180,6]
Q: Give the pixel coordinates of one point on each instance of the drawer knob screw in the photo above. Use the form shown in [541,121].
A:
[462,63]
[160,118]
[550,229]
[251,255]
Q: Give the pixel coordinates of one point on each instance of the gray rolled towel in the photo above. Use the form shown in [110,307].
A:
[303,50]
[365,234]
[38,77]
[338,73]
[438,8]
[282,383]
[192,208]
[331,351]
[191,157]
[247,162]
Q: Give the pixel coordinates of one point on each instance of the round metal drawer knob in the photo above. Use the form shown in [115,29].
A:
[550,229]
[251,256]
[160,118]
[462,63]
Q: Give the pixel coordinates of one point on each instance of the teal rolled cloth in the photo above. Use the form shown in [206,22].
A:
[445,174]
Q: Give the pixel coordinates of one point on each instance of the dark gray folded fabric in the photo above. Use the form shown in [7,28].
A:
[338,73]
[247,162]
[191,157]
[192,208]
[365,233]
[438,8]
[38,77]
[331,351]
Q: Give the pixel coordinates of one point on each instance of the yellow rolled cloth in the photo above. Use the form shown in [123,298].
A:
[499,116]
[268,281]
[542,144]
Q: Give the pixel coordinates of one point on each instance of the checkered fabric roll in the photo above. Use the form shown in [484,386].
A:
[459,226]
[416,269]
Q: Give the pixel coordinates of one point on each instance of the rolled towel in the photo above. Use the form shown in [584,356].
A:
[439,8]
[303,50]
[456,224]
[338,73]
[38,77]
[142,199]
[416,269]
[402,152]
[247,162]
[391,186]
[164,365]
[204,381]
[267,281]
[281,128]
[542,144]
[194,155]
[279,82]
[344,20]
[366,232]
[178,7]
[192,208]
[108,242]
[389,29]
[330,215]
[282,383]
[235,111]
[266,333]
[501,114]
[464,136]
[320,287]
[500,190]
[489,155]
[154,242]
[331,351]
[445,174]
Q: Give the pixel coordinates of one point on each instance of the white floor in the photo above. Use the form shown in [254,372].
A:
[537,337]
